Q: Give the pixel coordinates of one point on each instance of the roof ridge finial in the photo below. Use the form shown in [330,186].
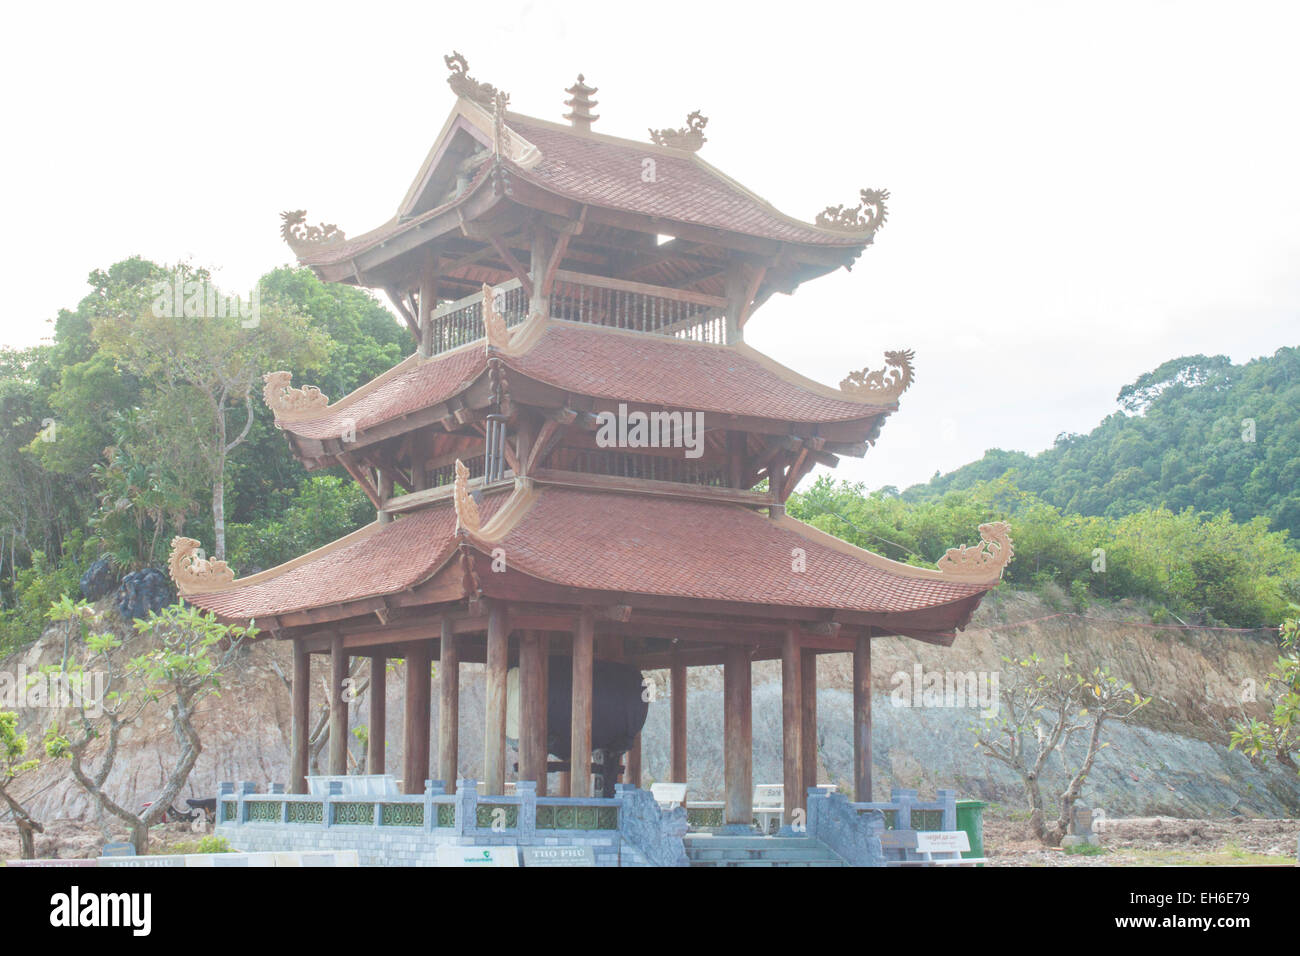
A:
[580,104]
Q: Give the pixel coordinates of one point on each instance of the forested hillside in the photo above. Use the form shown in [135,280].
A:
[128,428]
[1198,432]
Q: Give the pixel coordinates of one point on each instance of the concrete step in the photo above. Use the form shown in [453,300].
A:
[714,849]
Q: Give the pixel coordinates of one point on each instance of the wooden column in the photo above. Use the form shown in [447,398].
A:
[494,726]
[580,730]
[808,735]
[532,708]
[378,712]
[415,735]
[338,708]
[428,302]
[792,724]
[543,725]
[632,761]
[862,719]
[737,729]
[677,703]
[448,708]
[565,783]
[301,705]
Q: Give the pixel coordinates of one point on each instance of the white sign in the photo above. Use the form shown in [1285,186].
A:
[478,855]
[559,856]
[942,841]
[668,794]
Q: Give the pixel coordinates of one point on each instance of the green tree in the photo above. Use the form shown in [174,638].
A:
[1279,736]
[13,765]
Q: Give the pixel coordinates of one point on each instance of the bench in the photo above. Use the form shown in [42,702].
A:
[769,807]
[927,848]
[669,795]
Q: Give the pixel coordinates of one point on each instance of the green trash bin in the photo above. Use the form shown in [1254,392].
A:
[970,817]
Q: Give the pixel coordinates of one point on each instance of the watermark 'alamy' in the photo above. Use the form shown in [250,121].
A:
[202,300]
[626,429]
[82,691]
[922,688]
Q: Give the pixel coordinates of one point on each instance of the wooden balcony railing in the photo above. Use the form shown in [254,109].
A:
[594,300]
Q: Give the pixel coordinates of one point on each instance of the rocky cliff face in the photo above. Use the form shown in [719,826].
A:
[1175,761]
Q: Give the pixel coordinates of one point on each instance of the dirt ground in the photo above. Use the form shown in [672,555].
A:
[1153,841]
[74,839]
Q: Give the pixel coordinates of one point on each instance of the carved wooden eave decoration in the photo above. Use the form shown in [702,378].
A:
[193,573]
[303,238]
[467,516]
[866,217]
[885,385]
[464,85]
[495,330]
[690,137]
[288,403]
[981,562]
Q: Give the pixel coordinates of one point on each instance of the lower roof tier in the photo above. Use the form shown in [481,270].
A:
[567,545]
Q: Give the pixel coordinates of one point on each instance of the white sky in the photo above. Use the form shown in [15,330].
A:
[1080,191]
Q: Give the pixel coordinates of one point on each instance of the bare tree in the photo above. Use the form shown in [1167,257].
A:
[1041,711]
[189,652]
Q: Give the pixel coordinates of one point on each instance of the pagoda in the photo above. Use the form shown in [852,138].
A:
[582,464]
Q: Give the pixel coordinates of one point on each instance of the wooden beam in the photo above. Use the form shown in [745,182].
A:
[792,725]
[415,736]
[862,720]
[580,730]
[494,726]
[412,323]
[301,706]
[513,264]
[377,731]
[647,486]
[738,737]
[677,701]
[338,763]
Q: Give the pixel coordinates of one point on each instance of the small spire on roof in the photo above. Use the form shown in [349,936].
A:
[580,114]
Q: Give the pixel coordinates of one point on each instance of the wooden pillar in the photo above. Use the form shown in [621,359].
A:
[415,736]
[301,706]
[448,708]
[580,730]
[632,775]
[677,703]
[565,783]
[737,729]
[808,735]
[378,712]
[532,708]
[494,726]
[862,719]
[792,725]
[338,708]
[543,725]
[428,302]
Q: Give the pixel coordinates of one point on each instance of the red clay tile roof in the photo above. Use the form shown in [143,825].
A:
[606,364]
[708,550]
[606,171]
[608,541]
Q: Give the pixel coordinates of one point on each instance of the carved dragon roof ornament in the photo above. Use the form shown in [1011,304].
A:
[690,137]
[867,216]
[467,517]
[981,562]
[494,324]
[464,85]
[883,385]
[285,401]
[192,572]
[303,238]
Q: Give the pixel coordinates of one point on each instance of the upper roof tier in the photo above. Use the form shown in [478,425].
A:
[488,164]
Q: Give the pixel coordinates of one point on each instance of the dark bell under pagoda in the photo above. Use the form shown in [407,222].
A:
[556,280]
